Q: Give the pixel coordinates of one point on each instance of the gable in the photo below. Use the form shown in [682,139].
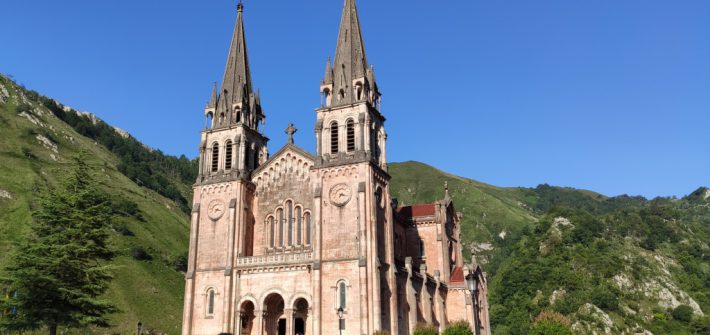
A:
[290,162]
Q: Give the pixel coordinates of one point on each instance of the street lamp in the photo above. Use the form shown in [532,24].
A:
[340,319]
[472,284]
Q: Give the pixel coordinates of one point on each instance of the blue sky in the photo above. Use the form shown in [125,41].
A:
[607,95]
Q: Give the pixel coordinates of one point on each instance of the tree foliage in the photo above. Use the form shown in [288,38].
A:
[59,274]
[551,323]
[458,328]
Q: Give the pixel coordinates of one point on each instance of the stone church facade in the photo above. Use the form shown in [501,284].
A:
[297,243]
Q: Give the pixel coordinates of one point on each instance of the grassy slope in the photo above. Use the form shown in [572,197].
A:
[148,291]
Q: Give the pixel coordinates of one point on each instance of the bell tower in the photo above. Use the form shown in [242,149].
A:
[350,127]
[233,113]
[222,222]
[354,238]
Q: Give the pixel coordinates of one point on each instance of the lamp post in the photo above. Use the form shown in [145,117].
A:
[139,328]
[340,319]
[472,284]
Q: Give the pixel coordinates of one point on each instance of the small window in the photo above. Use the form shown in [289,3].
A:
[256,159]
[307,219]
[334,138]
[238,115]
[215,157]
[210,302]
[228,156]
[342,295]
[221,118]
[280,215]
[358,90]
[351,135]
[272,233]
[299,226]
[289,211]
[422,254]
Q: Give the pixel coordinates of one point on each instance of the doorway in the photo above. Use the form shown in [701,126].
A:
[300,327]
[282,327]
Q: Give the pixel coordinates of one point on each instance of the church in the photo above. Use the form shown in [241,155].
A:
[302,243]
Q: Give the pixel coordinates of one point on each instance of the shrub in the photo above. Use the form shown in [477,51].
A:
[551,323]
[683,313]
[458,328]
[139,253]
[425,329]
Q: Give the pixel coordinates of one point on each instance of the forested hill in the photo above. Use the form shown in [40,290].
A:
[611,265]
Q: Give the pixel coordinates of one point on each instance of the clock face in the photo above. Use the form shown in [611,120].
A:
[340,194]
[216,209]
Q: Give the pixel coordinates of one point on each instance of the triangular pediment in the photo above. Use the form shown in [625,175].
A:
[289,162]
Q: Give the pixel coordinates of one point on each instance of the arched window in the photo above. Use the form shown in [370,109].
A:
[238,115]
[289,212]
[215,157]
[334,138]
[307,218]
[210,301]
[256,158]
[342,94]
[358,90]
[209,120]
[299,226]
[350,125]
[228,155]
[280,216]
[342,295]
[272,232]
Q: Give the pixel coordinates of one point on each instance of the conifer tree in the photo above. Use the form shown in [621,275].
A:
[58,276]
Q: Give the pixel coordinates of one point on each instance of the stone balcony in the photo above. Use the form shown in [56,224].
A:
[276,261]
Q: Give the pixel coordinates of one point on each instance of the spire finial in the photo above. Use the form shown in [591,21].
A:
[290,131]
[240,6]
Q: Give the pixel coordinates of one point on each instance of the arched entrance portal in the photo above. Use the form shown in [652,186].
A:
[274,318]
[300,314]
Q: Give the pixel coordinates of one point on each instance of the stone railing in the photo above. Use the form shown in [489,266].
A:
[278,259]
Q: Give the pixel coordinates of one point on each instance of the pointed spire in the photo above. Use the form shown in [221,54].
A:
[328,77]
[237,75]
[213,98]
[350,59]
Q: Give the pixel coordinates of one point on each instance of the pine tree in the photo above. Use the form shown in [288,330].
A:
[58,276]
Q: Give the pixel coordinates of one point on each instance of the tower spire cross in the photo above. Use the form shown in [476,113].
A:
[290,131]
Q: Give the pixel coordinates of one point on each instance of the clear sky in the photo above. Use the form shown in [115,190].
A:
[607,95]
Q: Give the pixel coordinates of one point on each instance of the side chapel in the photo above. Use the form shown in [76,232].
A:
[301,243]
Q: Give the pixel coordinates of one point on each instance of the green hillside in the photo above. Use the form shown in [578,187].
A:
[612,265]
[35,150]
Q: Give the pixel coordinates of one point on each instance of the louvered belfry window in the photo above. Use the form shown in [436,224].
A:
[351,135]
[215,157]
[228,156]
[334,138]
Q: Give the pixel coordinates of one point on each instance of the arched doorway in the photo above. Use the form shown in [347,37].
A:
[274,318]
[300,314]
[246,318]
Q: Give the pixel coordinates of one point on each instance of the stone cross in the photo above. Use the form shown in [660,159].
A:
[290,131]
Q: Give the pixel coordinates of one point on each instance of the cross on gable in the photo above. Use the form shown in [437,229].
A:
[290,131]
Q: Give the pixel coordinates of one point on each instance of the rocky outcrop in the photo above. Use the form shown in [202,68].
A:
[5,194]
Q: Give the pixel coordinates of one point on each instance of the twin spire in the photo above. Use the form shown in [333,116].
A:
[350,68]
[348,79]
[236,101]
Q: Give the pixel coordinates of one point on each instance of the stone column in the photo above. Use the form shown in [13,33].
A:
[411,296]
[242,161]
[317,256]
[289,321]
[259,324]
[191,268]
